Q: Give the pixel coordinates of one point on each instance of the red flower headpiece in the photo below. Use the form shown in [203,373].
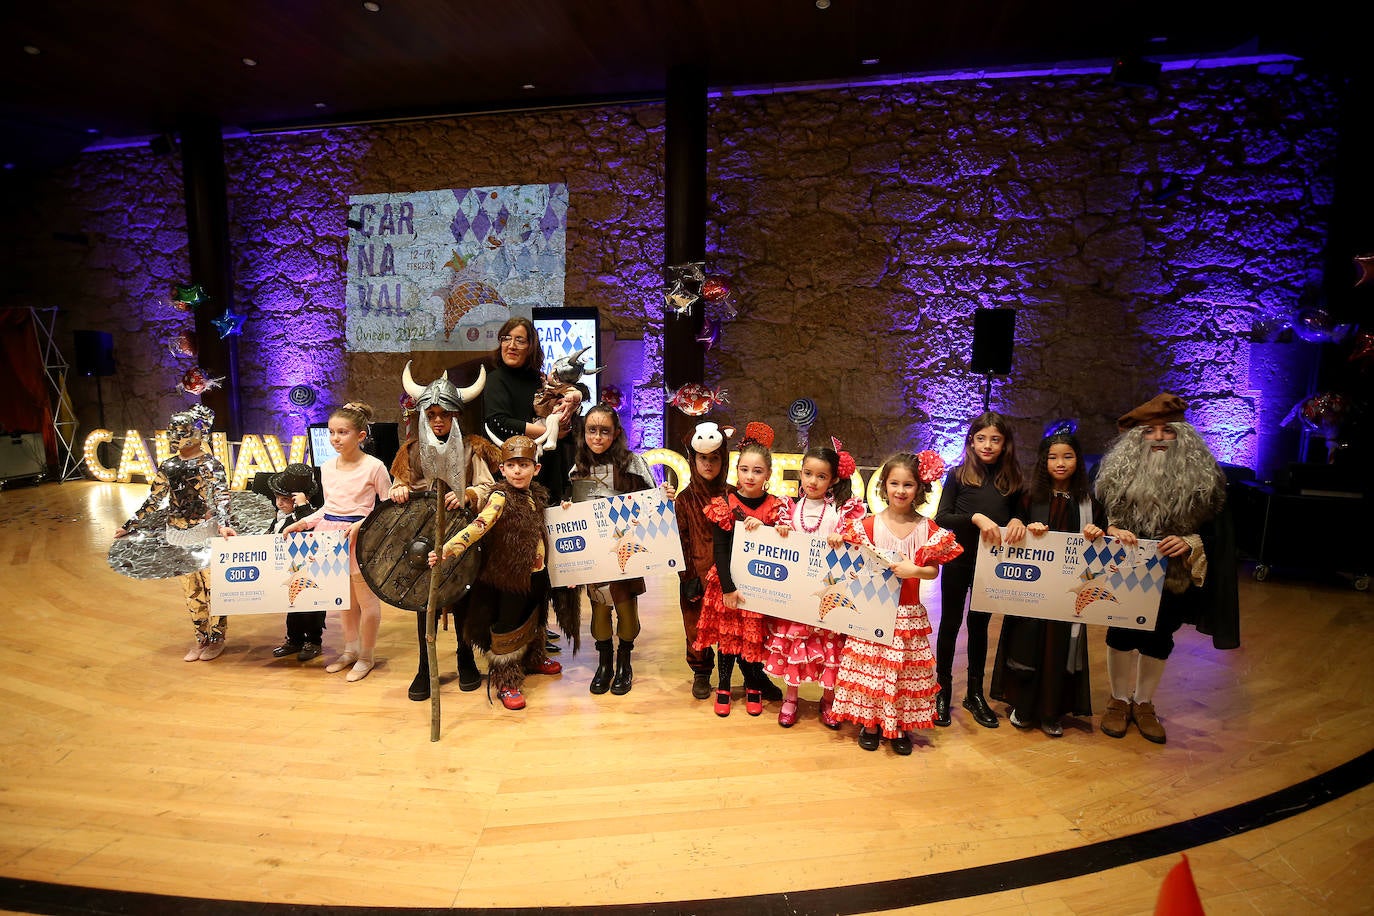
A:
[846,466]
[929,466]
[758,432]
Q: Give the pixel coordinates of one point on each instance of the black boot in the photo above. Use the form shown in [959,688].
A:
[419,688]
[624,674]
[469,678]
[982,712]
[601,680]
[942,706]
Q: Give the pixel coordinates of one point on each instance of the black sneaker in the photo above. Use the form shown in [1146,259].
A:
[701,686]
[308,651]
[286,648]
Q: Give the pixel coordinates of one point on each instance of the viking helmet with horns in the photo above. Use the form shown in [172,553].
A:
[569,369]
[442,392]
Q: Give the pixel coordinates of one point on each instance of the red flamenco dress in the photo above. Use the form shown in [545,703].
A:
[797,652]
[893,687]
[735,631]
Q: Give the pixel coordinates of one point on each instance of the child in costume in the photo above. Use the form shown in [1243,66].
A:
[736,632]
[889,690]
[799,652]
[605,466]
[708,447]
[440,451]
[513,582]
[292,489]
[979,497]
[1041,668]
[354,481]
[196,489]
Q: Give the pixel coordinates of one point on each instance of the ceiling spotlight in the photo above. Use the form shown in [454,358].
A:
[822,4]
[321,104]
[31,50]
[869,61]
[528,86]
[372,7]
[249,62]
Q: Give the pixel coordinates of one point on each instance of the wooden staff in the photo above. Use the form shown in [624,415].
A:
[431,613]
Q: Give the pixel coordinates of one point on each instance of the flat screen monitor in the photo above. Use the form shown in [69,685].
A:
[320,449]
[384,443]
[564,331]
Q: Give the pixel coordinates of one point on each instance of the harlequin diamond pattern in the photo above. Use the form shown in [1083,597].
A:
[1147,576]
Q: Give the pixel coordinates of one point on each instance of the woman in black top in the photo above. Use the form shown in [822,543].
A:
[508,401]
[979,497]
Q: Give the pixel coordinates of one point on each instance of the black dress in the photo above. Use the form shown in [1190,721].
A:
[1042,669]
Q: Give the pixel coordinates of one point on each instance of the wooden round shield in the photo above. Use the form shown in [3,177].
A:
[393,550]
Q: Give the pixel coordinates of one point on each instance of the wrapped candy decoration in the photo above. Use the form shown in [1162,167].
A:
[1316,325]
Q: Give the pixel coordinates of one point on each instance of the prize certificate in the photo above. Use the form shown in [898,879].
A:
[612,538]
[272,573]
[799,577]
[1061,576]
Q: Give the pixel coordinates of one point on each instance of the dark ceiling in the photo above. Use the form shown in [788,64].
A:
[78,72]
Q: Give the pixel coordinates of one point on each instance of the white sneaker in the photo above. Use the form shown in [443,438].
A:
[1016,722]
[214,646]
[193,653]
[360,669]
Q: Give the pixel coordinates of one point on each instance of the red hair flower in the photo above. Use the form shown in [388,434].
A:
[761,433]
[846,465]
[929,466]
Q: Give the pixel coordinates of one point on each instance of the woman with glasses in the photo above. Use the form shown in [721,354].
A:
[508,401]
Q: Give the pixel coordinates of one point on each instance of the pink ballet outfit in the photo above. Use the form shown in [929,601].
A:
[733,631]
[893,687]
[798,652]
[349,496]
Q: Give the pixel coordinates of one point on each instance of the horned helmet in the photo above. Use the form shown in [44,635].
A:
[570,369]
[442,392]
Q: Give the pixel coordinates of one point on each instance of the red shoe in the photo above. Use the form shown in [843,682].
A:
[828,718]
[547,666]
[511,698]
[753,702]
[787,716]
[722,703]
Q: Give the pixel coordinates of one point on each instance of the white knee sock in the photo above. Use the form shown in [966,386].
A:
[1121,672]
[1147,678]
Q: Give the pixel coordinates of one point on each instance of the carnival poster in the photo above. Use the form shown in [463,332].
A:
[443,270]
[272,573]
[613,538]
[800,577]
[1063,576]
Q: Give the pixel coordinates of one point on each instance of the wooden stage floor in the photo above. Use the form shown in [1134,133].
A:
[135,782]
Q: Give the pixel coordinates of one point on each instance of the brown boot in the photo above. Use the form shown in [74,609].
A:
[1148,723]
[1116,718]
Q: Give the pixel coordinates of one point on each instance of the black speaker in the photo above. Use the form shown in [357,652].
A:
[994,334]
[94,353]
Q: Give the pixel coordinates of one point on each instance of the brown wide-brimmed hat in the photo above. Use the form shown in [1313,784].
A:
[1162,408]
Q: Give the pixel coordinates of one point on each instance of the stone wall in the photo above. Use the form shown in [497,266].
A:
[1138,233]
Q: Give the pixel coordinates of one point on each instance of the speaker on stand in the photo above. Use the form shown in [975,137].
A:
[93,353]
[994,337]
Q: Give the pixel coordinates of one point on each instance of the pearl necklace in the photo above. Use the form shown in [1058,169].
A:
[801,515]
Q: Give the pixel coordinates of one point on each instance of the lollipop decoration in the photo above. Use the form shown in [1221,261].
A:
[802,414]
[611,397]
